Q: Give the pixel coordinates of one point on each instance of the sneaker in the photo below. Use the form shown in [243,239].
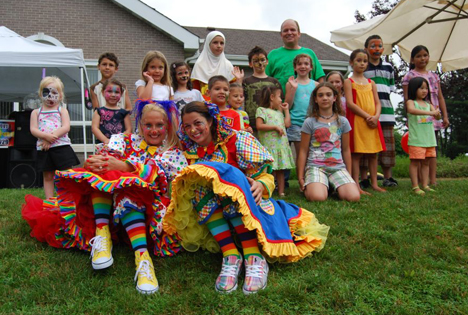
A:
[227,279]
[389,182]
[256,274]
[393,180]
[145,276]
[101,249]
[365,183]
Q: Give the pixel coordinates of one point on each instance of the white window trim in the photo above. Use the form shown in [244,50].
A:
[46,38]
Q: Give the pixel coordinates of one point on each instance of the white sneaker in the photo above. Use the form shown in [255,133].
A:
[227,279]
[256,274]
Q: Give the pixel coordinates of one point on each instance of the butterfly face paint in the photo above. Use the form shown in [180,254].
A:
[50,95]
[112,94]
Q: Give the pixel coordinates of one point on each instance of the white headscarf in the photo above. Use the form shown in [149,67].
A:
[209,65]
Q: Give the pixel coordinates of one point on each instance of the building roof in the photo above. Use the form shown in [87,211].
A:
[241,41]
[161,22]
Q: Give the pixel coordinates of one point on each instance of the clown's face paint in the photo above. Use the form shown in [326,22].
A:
[182,76]
[197,128]
[112,94]
[375,49]
[50,95]
[259,63]
[154,128]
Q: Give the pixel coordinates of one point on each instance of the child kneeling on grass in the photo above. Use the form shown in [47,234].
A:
[324,155]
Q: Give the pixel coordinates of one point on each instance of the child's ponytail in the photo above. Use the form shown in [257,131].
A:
[266,94]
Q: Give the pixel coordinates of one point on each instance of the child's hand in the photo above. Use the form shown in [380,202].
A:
[45,145]
[280,130]
[372,121]
[147,76]
[249,129]
[238,73]
[284,106]
[301,184]
[50,137]
[436,114]
[445,122]
[293,82]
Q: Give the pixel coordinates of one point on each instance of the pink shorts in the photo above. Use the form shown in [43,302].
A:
[419,153]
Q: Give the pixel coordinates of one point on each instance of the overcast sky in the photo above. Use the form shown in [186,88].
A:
[316,18]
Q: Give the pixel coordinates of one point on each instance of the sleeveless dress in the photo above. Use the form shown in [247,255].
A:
[364,139]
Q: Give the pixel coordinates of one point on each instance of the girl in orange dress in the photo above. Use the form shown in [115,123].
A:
[363,114]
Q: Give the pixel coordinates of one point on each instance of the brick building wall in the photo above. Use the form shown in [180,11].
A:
[95,26]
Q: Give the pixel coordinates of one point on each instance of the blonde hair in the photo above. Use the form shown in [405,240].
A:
[172,124]
[52,80]
[150,56]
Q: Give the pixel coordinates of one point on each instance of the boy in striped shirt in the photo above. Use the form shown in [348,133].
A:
[382,73]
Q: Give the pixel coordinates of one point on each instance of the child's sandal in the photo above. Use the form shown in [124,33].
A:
[418,191]
[429,189]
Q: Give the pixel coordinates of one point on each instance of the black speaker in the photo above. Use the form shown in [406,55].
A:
[22,171]
[3,167]
[23,136]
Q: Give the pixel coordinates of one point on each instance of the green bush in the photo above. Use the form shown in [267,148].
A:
[446,167]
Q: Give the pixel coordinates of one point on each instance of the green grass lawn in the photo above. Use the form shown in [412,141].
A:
[393,253]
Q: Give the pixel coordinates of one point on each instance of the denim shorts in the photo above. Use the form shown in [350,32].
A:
[294,133]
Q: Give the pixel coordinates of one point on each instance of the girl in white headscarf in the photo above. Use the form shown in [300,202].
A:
[212,61]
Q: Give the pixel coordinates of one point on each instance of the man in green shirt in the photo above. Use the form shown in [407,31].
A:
[280,60]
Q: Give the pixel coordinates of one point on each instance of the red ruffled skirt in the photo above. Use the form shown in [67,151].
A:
[68,220]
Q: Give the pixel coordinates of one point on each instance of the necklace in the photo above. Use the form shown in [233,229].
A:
[327,117]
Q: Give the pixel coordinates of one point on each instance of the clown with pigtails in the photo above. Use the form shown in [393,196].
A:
[229,184]
[126,185]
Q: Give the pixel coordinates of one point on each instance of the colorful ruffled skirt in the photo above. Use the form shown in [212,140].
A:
[68,220]
[285,231]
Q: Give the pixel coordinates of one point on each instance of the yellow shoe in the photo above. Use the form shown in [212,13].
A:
[101,252]
[145,276]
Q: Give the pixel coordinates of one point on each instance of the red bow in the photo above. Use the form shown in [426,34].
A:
[202,151]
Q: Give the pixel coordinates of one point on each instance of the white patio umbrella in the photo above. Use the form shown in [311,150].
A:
[441,26]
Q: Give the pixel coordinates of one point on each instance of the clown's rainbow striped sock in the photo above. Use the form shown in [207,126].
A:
[219,227]
[134,223]
[102,205]
[248,238]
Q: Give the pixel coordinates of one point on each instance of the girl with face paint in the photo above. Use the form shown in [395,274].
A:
[50,124]
[110,119]
[182,84]
[127,182]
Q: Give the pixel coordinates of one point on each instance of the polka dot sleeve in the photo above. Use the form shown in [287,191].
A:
[172,161]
